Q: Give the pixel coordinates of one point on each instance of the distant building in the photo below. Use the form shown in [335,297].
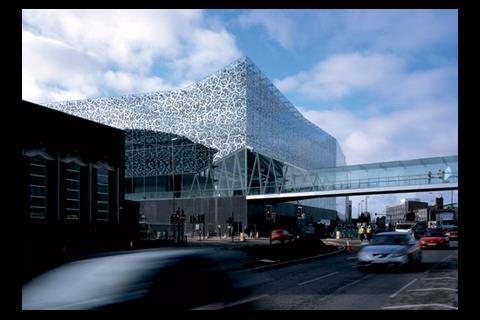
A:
[421,214]
[398,213]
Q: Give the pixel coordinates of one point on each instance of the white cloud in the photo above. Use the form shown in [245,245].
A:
[344,74]
[276,23]
[81,53]
[424,130]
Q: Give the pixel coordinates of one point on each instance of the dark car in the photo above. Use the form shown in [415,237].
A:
[419,229]
[141,280]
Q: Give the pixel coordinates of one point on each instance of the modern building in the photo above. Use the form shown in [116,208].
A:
[398,212]
[206,147]
[69,187]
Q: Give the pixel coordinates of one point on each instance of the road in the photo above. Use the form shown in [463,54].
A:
[334,283]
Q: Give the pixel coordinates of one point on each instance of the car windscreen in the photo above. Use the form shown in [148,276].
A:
[434,233]
[389,240]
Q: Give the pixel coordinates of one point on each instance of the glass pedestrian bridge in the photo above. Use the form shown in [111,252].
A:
[265,178]
[427,174]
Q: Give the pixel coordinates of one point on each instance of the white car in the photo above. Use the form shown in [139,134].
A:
[403,227]
[390,249]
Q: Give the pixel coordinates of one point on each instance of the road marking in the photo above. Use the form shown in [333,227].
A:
[403,288]
[351,283]
[421,305]
[351,258]
[433,289]
[217,306]
[297,260]
[267,260]
[440,278]
[325,276]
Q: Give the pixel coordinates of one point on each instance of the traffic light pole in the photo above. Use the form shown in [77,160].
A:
[232,229]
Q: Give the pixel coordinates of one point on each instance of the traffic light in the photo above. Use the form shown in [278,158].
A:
[268,212]
[300,212]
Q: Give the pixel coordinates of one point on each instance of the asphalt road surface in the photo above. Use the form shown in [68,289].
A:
[334,283]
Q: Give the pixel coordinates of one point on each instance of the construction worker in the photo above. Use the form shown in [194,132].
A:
[361,232]
[369,232]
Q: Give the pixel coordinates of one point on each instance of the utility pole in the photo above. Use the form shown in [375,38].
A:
[173,188]
[232,227]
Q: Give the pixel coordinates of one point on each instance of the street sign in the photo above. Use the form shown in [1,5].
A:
[197,226]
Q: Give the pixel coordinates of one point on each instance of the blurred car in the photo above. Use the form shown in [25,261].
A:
[390,249]
[141,280]
[281,235]
[434,238]
[403,227]
[452,234]
[419,229]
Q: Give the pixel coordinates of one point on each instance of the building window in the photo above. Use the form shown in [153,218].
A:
[102,194]
[72,194]
[37,176]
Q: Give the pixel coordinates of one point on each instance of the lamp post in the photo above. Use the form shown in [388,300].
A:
[366,203]
[173,181]
[361,206]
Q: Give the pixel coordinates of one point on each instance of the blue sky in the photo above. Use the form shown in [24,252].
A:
[383,82]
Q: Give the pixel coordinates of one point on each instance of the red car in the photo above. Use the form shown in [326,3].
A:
[281,235]
[434,238]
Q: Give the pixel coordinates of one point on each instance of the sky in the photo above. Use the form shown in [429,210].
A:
[382,82]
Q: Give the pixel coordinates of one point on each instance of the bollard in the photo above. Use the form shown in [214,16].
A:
[348,247]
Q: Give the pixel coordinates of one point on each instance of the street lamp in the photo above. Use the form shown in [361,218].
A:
[366,203]
[173,180]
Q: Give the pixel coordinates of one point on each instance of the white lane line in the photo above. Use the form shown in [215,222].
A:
[403,288]
[297,260]
[409,306]
[345,286]
[246,300]
[315,279]
[351,283]
[218,306]
[440,278]
[434,289]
